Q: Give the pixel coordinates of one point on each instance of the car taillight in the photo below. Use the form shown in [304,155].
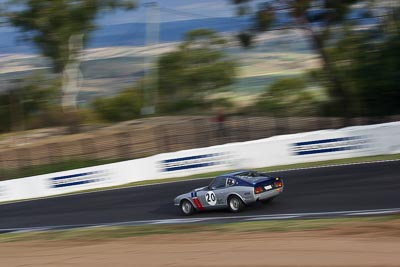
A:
[258,190]
[278,184]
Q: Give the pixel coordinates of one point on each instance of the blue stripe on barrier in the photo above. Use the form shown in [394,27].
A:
[189,158]
[73,183]
[318,151]
[192,166]
[72,176]
[324,141]
[76,179]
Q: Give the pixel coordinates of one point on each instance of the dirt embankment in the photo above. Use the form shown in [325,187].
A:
[343,246]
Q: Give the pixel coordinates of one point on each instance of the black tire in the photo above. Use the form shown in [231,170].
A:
[235,204]
[186,207]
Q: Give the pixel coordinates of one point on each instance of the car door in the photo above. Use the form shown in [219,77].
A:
[213,196]
[223,192]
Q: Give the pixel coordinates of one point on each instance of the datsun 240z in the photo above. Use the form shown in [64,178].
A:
[233,190]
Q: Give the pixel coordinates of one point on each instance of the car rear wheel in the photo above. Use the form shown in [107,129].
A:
[186,207]
[235,204]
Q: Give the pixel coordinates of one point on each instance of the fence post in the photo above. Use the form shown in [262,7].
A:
[123,148]
[23,156]
[51,150]
[165,137]
[88,148]
[156,139]
[2,169]
[200,133]
[49,153]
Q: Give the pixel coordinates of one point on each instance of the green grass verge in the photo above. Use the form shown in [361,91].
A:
[103,233]
[49,168]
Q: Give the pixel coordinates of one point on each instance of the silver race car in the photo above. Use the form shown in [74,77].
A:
[232,190]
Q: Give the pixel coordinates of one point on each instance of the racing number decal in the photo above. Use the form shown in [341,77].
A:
[211,198]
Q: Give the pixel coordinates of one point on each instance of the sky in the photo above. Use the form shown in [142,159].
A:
[172,10]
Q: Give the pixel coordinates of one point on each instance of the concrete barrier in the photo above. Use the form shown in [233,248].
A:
[278,150]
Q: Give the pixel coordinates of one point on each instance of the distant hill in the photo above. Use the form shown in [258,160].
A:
[130,34]
[134,34]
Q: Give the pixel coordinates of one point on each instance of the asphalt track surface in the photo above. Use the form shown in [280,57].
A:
[329,189]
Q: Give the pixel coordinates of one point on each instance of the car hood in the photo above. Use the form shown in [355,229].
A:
[200,188]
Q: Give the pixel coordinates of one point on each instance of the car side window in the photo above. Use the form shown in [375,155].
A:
[230,182]
[219,182]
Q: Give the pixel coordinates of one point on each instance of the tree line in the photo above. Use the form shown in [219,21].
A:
[359,73]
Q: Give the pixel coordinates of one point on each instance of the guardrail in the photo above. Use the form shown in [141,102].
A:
[278,150]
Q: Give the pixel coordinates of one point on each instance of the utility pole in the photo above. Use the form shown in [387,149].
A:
[152,38]
[72,76]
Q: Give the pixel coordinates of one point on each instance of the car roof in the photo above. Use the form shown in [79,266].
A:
[234,174]
[247,179]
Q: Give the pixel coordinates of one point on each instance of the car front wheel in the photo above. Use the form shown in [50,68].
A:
[186,207]
[235,204]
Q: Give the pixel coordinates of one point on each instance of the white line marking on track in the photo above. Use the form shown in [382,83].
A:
[371,213]
[272,218]
[175,221]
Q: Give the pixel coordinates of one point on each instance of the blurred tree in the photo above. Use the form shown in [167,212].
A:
[56,27]
[25,102]
[199,66]
[124,106]
[313,16]
[49,24]
[287,97]
[370,67]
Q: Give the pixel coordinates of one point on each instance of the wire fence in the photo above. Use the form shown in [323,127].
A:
[161,138]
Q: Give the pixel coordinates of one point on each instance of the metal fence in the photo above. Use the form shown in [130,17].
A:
[164,137]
